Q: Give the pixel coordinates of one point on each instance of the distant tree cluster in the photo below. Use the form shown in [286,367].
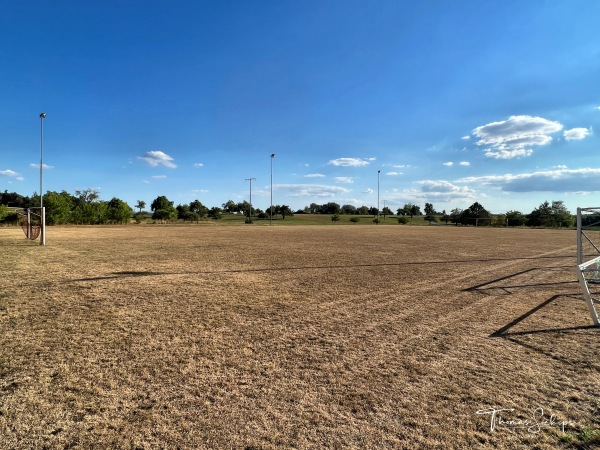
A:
[85,207]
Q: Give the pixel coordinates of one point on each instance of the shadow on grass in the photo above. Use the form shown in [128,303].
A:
[488,286]
[550,334]
[339,266]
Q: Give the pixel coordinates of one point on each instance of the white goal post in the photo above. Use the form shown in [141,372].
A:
[588,258]
[589,280]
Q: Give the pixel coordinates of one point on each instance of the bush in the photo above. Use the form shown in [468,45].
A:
[354,219]
[403,220]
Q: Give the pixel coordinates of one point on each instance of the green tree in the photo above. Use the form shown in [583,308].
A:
[429,213]
[455,215]
[284,210]
[348,209]
[199,209]
[474,212]
[119,211]
[215,213]
[59,207]
[163,209]
[362,210]
[554,215]
[89,209]
[515,219]
[331,208]
[335,218]
[141,204]
[386,212]
[230,207]
[3,212]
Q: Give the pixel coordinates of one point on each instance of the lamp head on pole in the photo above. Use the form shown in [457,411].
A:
[272,155]
[42,115]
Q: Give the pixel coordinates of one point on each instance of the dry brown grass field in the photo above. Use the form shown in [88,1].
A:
[253,337]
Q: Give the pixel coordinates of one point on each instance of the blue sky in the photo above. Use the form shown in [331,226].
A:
[451,102]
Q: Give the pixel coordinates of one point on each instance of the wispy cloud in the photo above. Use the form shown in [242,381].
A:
[344,180]
[156,158]
[198,164]
[514,137]
[444,190]
[393,174]
[314,175]
[37,166]
[557,180]
[464,163]
[575,134]
[368,191]
[159,177]
[350,162]
[8,173]
[448,164]
[466,138]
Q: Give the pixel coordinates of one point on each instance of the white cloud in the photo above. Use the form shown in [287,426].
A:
[443,190]
[514,137]
[401,166]
[159,177]
[312,190]
[350,162]
[575,134]
[368,191]
[156,158]
[448,164]
[466,138]
[556,180]
[465,163]
[442,186]
[8,173]
[314,175]
[37,166]
[508,154]
[344,180]
[393,174]
[199,165]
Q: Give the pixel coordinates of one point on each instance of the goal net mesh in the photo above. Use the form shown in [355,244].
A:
[31,224]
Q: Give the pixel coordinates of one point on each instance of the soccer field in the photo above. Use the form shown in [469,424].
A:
[171,336]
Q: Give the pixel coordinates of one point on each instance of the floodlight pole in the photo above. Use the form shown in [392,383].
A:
[271,214]
[378,172]
[42,215]
[250,212]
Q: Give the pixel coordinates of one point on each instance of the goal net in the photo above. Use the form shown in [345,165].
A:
[32,222]
[588,258]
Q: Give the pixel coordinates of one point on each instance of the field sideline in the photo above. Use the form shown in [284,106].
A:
[253,337]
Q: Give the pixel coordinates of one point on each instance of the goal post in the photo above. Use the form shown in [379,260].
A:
[589,280]
[588,258]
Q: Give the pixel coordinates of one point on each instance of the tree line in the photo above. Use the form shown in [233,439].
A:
[86,207]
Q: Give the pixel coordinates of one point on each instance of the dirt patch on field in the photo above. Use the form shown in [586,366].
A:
[295,337]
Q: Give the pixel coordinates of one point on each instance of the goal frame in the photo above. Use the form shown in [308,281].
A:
[41,213]
[582,237]
[588,266]
[591,266]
